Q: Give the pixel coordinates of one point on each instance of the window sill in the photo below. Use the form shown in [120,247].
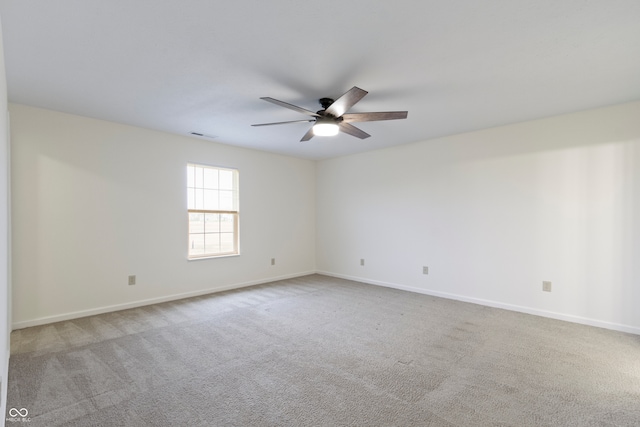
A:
[212,257]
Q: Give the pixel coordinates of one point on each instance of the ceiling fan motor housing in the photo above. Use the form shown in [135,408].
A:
[324,116]
[325,102]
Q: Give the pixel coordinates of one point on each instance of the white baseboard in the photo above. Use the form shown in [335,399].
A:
[117,307]
[496,304]
[489,303]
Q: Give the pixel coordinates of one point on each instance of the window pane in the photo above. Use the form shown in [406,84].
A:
[227,242]
[196,223]
[227,223]
[196,244]
[226,179]
[210,178]
[226,200]
[210,199]
[191,198]
[199,173]
[212,223]
[212,243]
[199,198]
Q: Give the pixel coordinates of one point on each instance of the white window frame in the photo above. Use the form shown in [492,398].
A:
[208,199]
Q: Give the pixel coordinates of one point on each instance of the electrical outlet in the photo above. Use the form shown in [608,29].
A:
[425,270]
[132,280]
[273,261]
[546,286]
[361,261]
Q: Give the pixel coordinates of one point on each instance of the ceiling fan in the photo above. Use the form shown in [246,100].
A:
[334,118]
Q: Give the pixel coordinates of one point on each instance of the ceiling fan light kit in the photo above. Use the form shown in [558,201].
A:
[332,118]
[325,129]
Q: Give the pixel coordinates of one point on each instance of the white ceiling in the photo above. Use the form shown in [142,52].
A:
[202,65]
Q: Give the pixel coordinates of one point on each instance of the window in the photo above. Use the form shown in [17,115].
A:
[212,203]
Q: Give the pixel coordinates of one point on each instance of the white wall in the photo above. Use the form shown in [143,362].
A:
[491,213]
[5,299]
[94,202]
[494,213]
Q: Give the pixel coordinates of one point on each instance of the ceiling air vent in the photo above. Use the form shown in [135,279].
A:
[203,135]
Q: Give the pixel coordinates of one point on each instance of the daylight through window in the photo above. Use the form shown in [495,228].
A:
[212,201]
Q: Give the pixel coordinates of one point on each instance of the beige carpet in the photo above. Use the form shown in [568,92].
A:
[319,351]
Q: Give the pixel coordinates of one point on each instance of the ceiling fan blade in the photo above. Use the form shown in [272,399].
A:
[283,123]
[353,131]
[372,117]
[290,106]
[346,101]
[307,136]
